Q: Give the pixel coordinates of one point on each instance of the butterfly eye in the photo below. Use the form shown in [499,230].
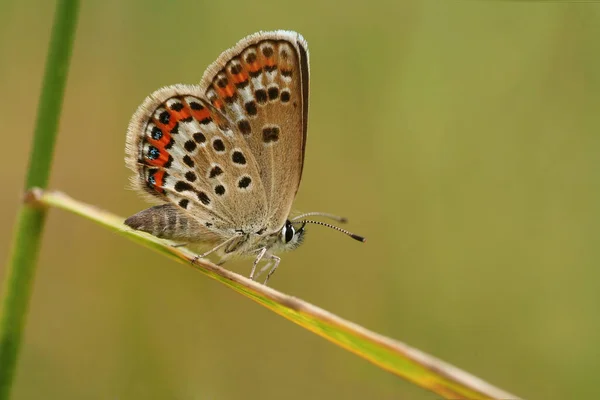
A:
[287,232]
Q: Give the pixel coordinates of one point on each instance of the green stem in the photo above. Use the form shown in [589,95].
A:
[20,270]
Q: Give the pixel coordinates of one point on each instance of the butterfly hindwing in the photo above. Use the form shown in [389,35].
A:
[261,86]
[185,151]
[230,151]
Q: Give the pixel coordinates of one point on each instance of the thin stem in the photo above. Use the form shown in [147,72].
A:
[391,355]
[20,270]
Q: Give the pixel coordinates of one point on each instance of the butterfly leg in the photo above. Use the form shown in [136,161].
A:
[272,271]
[217,247]
[259,257]
[265,267]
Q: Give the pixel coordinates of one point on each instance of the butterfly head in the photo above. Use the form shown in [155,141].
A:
[291,237]
[292,233]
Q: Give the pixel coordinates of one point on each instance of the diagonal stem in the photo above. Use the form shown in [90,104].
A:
[391,355]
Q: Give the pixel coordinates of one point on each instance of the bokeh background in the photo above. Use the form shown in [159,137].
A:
[460,137]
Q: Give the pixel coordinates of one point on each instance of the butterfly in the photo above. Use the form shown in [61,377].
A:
[225,157]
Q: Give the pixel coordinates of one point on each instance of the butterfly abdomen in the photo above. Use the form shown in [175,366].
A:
[166,221]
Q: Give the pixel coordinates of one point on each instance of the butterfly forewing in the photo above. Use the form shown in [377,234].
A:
[261,87]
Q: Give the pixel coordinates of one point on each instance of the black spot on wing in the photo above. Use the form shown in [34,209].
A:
[204,199]
[164,117]
[215,171]
[156,133]
[189,146]
[238,158]
[244,182]
[261,96]
[187,160]
[251,108]
[244,127]
[273,93]
[218,145]
[177,106]
[270,134]
[199,137]
[220,190]
[182,186]
[190,176]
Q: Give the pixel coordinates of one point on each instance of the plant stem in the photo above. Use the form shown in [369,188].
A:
[398,358]
[20,270]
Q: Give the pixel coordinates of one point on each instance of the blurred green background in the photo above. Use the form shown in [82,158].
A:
[460,137]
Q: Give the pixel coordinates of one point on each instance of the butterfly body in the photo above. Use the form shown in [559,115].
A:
[226,156]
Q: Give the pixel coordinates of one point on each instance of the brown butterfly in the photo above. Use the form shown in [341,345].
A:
[227,155]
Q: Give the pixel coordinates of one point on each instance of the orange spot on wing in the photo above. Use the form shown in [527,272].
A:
[255,66]
[164,140]
[227,91]
[170,125]
[179,115]
[159,178]
[160,160]
[166,136]
[217,103]
[239,78]
[201,115]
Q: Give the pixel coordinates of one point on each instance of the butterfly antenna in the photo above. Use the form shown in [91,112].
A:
[334,217]
[352,235]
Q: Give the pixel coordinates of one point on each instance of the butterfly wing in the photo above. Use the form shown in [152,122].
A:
[230,151]
[185,151]
[261,86]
